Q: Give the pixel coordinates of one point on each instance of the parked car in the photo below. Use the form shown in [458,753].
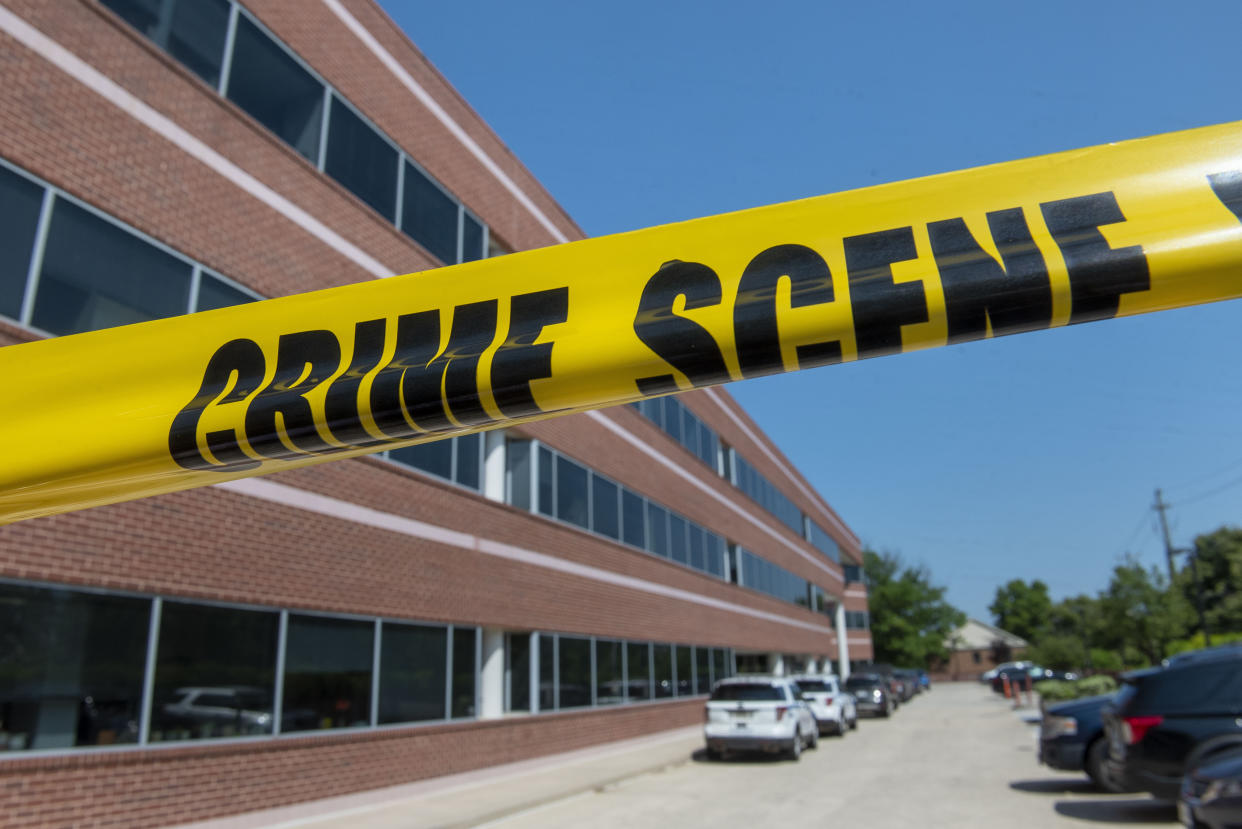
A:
[758,714]
[1019,674]
[1071,738]
[1211,795]
[833,709]
[924,680]
[1172,718]
[216,711]
[987,676]
[872,694]
[911,684]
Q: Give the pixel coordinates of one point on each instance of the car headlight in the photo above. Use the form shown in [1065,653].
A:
[1059,726]
[1223,788]
[877,695]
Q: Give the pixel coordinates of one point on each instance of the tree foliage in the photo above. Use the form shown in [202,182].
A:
[910,619]
[1022,609]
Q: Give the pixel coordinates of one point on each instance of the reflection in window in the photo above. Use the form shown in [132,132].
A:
[215,293]
[412,682]
[454,459]
[575,673]
[547,672]
[637,657]
[20,202]
[471,238]
[702,670]
[517,473]
[429,216]
[546,490]
[685,671]
[662,656]
[517,671]
[571,492]
[463,671]
[71,667]
[327,673]
[657,529]
[192,31]
[604,519]
[275,89]
[215,672]
[359,158]
[96,275]
[609,682]
[633,519]
[677,539]
[720,664]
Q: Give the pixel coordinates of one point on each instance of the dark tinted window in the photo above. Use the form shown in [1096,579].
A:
[192,31]
[96,275]
[638,665]
[604,507]
[20,202]
[1210,688]
[412,673]
[471,238]
[221,649]
[361,160]
[517,458]
[663,657]
[575,676]
[546,490]
[571,492]
[518,651]
[469,450]
[547,672]
[657,529]
[748,692]
[685,671]
[811,685]
[863,682]
[463,671]
[327,673]
[632,518]
[698,548]
[274,88]
[609,684]
[677,539]
[435,457]
[429,216]
[720,664]
[71,667]
[212,293]
[702,670]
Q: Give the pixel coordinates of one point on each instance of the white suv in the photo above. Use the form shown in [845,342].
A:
[758,714]
[834,711]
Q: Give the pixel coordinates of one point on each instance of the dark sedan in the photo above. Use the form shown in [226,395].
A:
[1071,738]
[1212,794]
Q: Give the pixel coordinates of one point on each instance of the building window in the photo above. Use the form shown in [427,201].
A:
[517,473]
[327,673]
[547,672]
[465,669]
[71,667]
[214,292]
[360,158]
[215,672]
[517,671]
[638,670]
[978,657]
[822,541]
[192,31]
[609,676]
[662,658]
[720,664]
[275,89]
[634,529]
[657,529]
[471,238]
[429,215]
[702,670]
[574,676]
[457,459]
[571,493]
[413,673]
[20,203]
[605,507]
[95,275]
[685,670]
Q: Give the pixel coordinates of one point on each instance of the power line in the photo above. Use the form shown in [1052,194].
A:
[1215,490]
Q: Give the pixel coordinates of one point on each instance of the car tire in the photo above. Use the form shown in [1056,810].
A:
[888,710]
[814,743]
[715,754]
[795,750]
[841,727]
[1097,768]
[854,723]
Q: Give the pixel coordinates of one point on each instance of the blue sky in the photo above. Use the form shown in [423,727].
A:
[1026,457]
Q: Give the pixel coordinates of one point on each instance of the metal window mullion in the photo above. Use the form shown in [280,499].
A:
[453,459]
[534,476]
[448,674]
[148,674]
[196,281]
[230,38]
[36,258]
[535,672]
[461,230]
[321,161]
[375,672]
[399,213]
[278,705]
[487,240]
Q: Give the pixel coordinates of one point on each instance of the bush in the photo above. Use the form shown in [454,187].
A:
[1196,642]
[1055,690]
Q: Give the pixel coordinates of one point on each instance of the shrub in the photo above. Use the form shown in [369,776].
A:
[1055,690]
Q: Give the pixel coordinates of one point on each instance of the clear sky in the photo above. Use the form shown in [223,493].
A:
[1033,456]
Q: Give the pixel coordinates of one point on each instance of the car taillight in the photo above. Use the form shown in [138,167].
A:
[1135,728]
[780,712]
[828,700]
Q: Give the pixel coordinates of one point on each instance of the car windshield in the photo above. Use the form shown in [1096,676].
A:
[748,693]
[857,682]
[812,685]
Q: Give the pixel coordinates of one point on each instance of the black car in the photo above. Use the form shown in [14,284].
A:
[1212,794]
[872,694]
[1175,717]
[1071,738]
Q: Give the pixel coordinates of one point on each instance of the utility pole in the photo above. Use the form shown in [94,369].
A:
[1160,506]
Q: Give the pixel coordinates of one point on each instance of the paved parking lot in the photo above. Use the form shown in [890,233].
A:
[957,757]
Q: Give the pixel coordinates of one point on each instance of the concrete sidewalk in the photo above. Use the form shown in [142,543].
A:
[475,797]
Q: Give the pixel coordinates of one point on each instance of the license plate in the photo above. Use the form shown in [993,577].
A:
[742,714]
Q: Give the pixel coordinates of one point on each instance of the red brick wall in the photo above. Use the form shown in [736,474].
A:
[158,787]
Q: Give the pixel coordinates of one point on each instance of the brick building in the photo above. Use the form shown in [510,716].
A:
[373,621]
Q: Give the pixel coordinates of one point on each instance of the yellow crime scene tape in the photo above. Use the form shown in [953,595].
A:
[1079,236]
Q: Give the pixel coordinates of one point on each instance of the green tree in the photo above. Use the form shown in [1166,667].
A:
[1219,561]
[1023,609]
[910,620]
[1143,614]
